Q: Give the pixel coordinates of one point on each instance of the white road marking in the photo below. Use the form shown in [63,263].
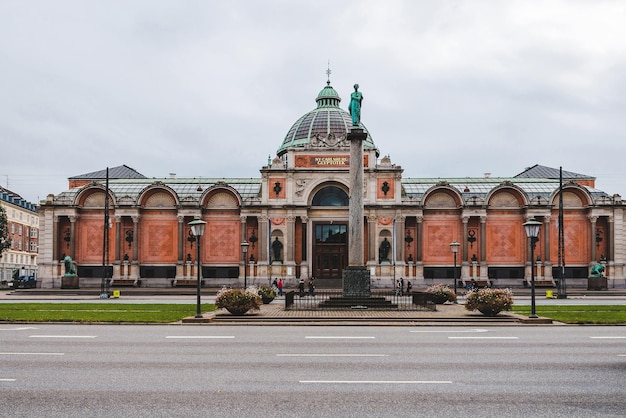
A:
[17,329]
[621,355]
[332,355]
[381,382]
[7,380]
[192,337]
[32,354]
[452,331]
[483,338]
[62,336]
[609,337]
[338,337]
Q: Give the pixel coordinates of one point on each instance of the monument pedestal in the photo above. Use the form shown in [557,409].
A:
[356,282]
[597,283]
[69,282]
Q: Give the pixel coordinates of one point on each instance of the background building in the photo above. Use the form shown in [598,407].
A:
[23,224]
[295,218]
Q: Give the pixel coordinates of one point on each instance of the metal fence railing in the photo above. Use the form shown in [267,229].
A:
[379,300]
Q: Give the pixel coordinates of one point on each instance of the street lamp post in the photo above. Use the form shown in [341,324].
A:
[454,246]
[244,250]
[197,229]
[532,232]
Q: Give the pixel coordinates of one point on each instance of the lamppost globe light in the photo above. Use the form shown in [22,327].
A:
[197,230]
[197,227]
[532,231]
[532,228]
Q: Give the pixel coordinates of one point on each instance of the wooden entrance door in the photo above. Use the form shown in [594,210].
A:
[330,252]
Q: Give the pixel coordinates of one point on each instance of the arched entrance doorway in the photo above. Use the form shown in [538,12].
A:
[330,246]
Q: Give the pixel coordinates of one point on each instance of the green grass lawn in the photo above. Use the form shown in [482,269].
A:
[98,312]
[584,314]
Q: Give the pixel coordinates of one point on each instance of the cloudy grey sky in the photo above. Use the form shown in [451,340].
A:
[210,88]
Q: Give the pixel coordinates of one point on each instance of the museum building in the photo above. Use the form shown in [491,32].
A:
[294,219]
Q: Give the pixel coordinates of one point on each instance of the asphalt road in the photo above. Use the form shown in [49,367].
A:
[239,371]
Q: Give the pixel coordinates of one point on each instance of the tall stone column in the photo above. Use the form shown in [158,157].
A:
[307,233]
[371,239]
[546,240]
[55,238]
[609,240]
[181,239]
[73,236]
[180,271]
[419,239]
[356,278]
[465,259]
[484,270]
[118,234]
[291,237]
[593,220]
[137,238]
[400,244]
[547,263]
[263,238]
[243,221]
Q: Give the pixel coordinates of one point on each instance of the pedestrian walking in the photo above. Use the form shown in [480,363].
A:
[280,286]
[301,287]
[311,286]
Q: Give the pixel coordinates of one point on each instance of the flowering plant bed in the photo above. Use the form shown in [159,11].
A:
[441,293]
[238,301]
[267,294]
[489,302]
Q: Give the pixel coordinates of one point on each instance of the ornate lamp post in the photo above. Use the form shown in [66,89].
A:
[454,246]
[532,232]
[197,229]
[244,250]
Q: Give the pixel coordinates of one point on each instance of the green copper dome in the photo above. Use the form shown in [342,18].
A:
[328,124]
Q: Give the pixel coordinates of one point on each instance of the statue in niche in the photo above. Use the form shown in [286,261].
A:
[383,250]
[277,248]
[355,106]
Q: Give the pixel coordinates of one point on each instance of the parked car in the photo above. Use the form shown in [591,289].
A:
[24,282]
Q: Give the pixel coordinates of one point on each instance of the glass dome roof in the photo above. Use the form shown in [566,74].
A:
[328,120]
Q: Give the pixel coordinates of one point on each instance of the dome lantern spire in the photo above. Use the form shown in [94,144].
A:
[328,97]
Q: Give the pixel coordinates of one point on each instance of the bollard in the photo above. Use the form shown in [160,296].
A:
[116,294]
[549,294]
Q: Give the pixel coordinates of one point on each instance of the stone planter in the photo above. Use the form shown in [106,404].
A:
[489,311]
[237,310]
[266,300]
[439,299]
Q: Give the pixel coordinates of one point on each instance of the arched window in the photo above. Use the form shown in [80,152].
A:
[331,196]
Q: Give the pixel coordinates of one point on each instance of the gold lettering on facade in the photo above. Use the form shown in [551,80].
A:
[331,161]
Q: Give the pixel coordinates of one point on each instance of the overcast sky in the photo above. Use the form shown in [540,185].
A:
[210,88]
